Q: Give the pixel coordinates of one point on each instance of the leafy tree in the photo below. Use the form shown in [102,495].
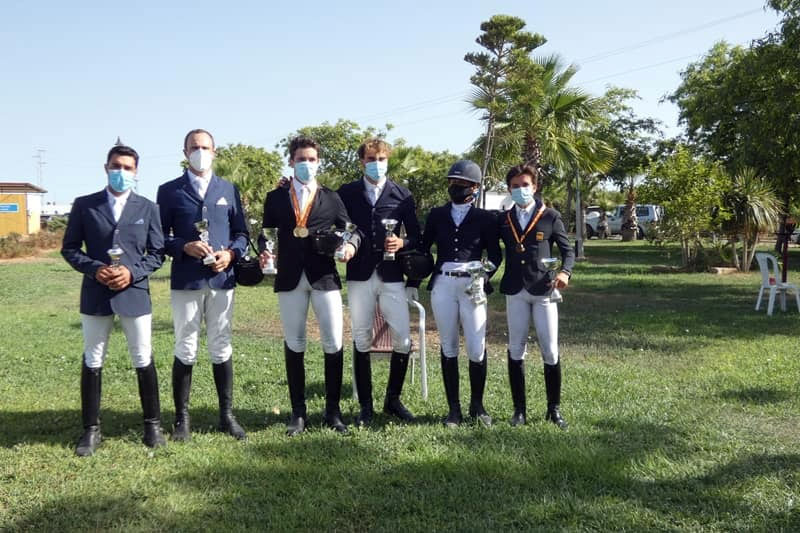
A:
[690,188]
[754,207]
[424,173]
[339,143]
[505,44]
[255,171]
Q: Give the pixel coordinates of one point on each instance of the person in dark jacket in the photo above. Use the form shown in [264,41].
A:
[121,232]
[300,210]
[461,233]
[202,278]
[528,230]
[374,280]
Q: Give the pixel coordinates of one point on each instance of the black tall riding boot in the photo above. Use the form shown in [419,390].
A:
[552,384]
[516,379]
[181,387]
[334,367]
[362,368]
[296,377]
[91,385]
[450,377]
[147,379]
[394,388]
[477,382]
[223,379]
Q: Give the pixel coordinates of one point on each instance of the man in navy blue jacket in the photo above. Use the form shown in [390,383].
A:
[202,278]
[124,245]
[372,280]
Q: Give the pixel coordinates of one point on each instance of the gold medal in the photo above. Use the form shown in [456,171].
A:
[301,219]
[521,247]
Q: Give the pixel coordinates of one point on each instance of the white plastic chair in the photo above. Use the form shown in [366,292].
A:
[768,266]
[382,345]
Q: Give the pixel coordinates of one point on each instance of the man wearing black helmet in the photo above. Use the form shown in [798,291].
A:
[461,233]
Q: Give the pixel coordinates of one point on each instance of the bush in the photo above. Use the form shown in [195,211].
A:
[16,245]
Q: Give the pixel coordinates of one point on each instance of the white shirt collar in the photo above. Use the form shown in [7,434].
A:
[195,177]
[122,198]
[527,210]
[311,186]
[372,186]
[461,208]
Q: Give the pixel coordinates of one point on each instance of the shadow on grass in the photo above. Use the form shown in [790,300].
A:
[64,427]
[755,395]
[526,478]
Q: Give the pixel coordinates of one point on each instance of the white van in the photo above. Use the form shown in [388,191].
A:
[646,214]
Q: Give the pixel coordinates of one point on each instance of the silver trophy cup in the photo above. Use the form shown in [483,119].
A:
[115,253]
[349,229]
[552,264]
[477,271]
[389,225]
[202,229]
[269,245]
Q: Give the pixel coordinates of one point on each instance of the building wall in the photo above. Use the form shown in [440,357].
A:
[16,221]
[34,201]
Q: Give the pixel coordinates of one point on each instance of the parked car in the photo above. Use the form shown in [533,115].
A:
[646,215]
[595,221]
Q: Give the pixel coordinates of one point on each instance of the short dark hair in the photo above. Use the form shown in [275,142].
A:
[515,171]
[121,149]
[198,130]
[301,141]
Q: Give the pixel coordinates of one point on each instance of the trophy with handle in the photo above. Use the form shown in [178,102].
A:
[202,229]
[115,253]
[477,271]
[269,244]
[389,225]
[552,264]
[349,229]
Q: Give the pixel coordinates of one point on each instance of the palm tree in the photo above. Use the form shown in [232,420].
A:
[754,207]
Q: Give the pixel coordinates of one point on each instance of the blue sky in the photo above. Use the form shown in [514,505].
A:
[77,74]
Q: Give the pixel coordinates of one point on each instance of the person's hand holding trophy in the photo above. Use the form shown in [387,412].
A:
[390,244]
[346,251]
[478,271]
[202,228]
[267,257]
[115,276]
[560,280]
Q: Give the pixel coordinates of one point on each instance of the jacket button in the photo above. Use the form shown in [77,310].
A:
[456,239]
[456,249]
[522,262]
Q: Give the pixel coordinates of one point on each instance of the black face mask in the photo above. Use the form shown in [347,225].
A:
[459,194]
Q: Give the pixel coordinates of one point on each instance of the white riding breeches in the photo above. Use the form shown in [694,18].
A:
[189,310]
[362,297]
[97,329]
[520,308]
[327,308]
[451,307]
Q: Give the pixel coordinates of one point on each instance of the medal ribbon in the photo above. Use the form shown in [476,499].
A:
[301,218]
[530,226]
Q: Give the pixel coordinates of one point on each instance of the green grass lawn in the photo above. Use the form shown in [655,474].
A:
[682,402]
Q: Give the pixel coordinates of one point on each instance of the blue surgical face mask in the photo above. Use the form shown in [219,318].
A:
[305,171]
[376,170]
[522,196]
[121,180]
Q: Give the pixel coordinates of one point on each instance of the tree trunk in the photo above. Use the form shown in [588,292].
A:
[487,155]
[735,253]
[567,209]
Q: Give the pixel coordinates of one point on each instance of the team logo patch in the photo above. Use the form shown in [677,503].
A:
[539,235]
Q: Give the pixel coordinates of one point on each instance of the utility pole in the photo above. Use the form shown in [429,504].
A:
[578,219]
[40,163]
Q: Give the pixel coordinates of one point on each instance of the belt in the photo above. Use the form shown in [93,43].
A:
[456,274]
